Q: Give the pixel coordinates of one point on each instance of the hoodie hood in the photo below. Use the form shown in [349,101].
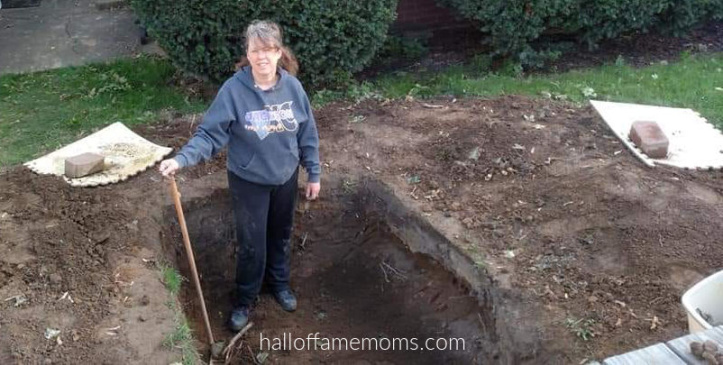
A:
[247,78]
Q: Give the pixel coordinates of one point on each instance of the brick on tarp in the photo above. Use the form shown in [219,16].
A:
[84,164]
[649,138]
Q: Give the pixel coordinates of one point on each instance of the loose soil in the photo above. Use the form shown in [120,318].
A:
[546,242]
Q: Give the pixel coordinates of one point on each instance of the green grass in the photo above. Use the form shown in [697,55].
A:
[171,278]
[582,328]
[182,338]
[42,111]
[182,335]
[692,82]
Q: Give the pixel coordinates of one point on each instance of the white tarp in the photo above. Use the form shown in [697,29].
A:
[126,154]
[694,143]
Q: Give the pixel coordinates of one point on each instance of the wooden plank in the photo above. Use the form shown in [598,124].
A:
[658,354]
[681,345]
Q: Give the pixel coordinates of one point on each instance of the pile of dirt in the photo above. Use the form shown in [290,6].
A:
[57,240]
[82,261]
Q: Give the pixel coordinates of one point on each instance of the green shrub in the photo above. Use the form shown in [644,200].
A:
[513,25]
[687,13]
[402,47]
[332,39]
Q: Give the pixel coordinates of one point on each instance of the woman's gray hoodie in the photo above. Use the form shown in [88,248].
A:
[268,132]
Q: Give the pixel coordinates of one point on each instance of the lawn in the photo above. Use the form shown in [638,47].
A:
[42,111]
[692,82]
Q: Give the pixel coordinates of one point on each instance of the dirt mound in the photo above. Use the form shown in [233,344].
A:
[71,258]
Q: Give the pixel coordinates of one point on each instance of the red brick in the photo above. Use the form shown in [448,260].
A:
[650,138]
[83,164]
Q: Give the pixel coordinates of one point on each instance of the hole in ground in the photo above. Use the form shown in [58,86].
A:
[353,279]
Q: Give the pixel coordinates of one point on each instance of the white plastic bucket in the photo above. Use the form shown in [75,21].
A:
[706,295]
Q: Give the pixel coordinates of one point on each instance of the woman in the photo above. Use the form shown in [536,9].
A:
[264,116]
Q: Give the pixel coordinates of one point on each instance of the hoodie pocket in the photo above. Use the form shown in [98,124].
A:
[248,163]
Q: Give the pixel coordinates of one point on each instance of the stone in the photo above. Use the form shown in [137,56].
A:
[217,349]
[55,278]
[145,300]
[696,348]
[84,164]
[649,138]
[710,346]
[710,358]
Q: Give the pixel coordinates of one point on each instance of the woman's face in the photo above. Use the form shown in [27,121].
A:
[263,57]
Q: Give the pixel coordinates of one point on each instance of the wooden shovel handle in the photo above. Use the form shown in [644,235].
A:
[189,252]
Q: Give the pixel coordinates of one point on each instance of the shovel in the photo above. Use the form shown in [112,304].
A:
[191,261]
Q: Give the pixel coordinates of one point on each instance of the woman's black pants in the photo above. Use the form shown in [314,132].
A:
[264,216]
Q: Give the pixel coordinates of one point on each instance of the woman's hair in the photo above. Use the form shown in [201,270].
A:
[269,33]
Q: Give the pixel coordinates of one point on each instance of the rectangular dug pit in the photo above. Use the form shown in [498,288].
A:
[354,279]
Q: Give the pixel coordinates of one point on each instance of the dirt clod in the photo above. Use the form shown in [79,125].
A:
[55,278]
[719,357]
[710,346]
[696,348]
[217,349]
[710,358]
[145,300]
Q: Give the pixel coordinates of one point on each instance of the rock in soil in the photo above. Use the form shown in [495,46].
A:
[217,349]
[710,346]
[710,357]
[696,348]
[145,300]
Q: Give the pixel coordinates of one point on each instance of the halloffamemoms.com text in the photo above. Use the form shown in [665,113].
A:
[314,342]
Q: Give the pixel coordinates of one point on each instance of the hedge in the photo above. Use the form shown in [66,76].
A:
[331,38]
[513,25]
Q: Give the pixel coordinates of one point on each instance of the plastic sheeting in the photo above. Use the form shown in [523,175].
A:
[126,154]
[694,143]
